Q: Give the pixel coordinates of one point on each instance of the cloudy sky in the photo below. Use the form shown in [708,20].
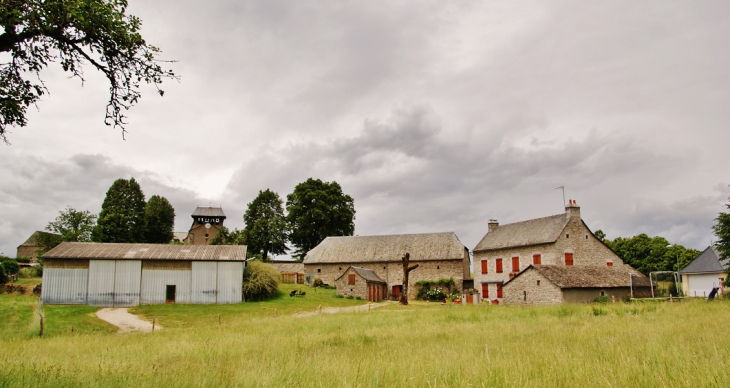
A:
[434,115]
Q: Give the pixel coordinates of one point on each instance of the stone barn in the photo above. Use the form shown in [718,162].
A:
[548,284]
[30,247]
[123,275]
[438,255]
[362,282]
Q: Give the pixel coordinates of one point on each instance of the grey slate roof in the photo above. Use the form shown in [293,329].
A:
[361,249]
[115,251]
[367,274]
[206,211]
[531,232]
[589,276]
[30,242]
[707,262]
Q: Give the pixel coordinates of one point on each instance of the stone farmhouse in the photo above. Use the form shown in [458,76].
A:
[123,275]
[207,223]
[439,255]
[548,284]
[363,283]
[561,240]
[704,273]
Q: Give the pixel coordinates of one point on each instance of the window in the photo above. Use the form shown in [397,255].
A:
[485,265]
[538,282]
[586,237]
[438,267]
[499,265]
[351,279]
[319,269]
[567,235]
[340,268]
[499,290]
[515,264]
[537,259]
[568,258]
[609,264]
[485,291]
[524,294]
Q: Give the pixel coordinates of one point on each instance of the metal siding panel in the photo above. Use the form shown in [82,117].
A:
[204,279]
[64,286]
[154,283]
[101,283]
[127,283]
[230,282]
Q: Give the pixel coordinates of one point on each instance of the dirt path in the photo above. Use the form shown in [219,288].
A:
[337,310]
[126,322]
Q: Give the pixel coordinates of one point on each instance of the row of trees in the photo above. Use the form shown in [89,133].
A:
[125,217]
[649,254]
[314,211]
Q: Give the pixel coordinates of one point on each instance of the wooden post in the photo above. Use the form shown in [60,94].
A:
[219,320]
[153,325]
[72,330]
[41,333]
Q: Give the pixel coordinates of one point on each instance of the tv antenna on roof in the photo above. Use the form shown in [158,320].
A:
[562,188]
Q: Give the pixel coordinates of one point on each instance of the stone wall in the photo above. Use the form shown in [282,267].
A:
[27,251]
[288,266]
[531,288]
[200,235]
[575,239]
[587,295]
[392,272]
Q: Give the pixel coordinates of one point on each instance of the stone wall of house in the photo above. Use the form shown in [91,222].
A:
[289,266]
[587,295]
[27,251]
[575,239]
[531,288]
[392,272]
[360,288]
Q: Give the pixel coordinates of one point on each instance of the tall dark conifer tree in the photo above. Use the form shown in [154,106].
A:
[121,219]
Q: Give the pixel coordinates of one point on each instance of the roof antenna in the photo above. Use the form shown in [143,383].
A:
[562,188]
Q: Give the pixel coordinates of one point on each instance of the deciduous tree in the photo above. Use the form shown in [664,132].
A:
[406,259]
[722,231]
[73,33]
[121,219]
[265,230]
[647,254]
[316,210]
[159,218]
[73,225]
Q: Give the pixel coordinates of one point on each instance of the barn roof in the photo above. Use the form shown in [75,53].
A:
[31,242]
[588,276]
[367,274]
[361,249]
[531,232]
[206,211]
[115,251]
[707,262]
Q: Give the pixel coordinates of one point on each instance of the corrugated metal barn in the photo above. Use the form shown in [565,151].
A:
[123,275]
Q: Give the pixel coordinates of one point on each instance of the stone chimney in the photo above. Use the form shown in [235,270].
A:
[493,224]
[572,210]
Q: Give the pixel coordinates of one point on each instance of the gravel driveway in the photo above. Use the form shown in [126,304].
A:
[126,322]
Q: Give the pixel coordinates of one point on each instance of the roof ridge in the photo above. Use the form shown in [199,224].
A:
[394,235]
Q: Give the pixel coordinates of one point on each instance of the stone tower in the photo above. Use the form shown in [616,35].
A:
[207,222]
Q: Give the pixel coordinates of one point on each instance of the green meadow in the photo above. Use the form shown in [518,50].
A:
[272,344]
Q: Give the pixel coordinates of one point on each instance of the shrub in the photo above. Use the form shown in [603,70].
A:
[339,296]
[30,272]
[3,276]
[260,281]
[358,298]
[23,259]
[318,283]
[11,267]
[350,297]
[37,289]
[435,290]
[601,299]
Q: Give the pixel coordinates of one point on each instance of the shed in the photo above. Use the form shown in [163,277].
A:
[362,282]
[704,273]
[123,275]
[547,284]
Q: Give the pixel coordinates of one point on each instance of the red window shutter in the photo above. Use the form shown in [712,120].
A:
[351,279]
[609,264]
[568,259]
[499,265]
[499,290]
[537,259]
[485,291]
[484,266]
[515,264]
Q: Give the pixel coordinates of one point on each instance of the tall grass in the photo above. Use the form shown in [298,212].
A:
[670,344]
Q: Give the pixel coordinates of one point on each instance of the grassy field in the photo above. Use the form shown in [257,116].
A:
[653,344]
